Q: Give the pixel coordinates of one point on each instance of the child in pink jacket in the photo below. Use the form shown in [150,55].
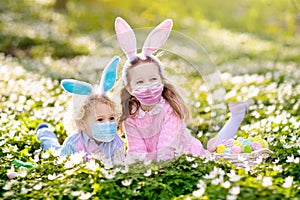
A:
[152,111]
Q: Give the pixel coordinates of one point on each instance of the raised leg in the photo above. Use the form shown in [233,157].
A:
[238,111]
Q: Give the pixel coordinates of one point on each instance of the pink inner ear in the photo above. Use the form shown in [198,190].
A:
[149,50]
[126,37]
[167,24]
[157,37]
[121,26]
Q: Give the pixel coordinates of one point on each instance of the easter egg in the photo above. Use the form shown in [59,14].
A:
[251,139]
[256,146]
[246,142]
[262,144]
[237,143]
[227,150]
[236,149]
[221,148]
[266,144]
[240,139]
[257,138]
[247,149]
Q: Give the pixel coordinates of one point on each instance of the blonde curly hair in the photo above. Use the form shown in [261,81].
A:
[76,123]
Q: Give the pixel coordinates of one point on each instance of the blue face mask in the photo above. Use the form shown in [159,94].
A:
[104,132]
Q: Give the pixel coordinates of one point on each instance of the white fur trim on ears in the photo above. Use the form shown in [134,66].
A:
[127,40]
[82,90]
[77,103]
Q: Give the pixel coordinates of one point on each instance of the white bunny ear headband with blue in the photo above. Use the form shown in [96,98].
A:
[127,40]
[82,90]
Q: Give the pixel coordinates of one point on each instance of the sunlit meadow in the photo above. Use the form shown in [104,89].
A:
[29,98]
[249,68]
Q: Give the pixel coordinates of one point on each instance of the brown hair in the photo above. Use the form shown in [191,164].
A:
[130,105]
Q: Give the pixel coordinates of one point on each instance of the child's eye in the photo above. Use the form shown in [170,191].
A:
[153,79]
[112,118]
[100,120]
[139,82]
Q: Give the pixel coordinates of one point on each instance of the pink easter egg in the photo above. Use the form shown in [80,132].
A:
[256,146]
[236,149]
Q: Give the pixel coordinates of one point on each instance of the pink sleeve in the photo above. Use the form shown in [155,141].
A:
[175,139]
[136,145]
[169,140]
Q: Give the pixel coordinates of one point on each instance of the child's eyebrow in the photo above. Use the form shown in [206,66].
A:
[138,78]
[111,115]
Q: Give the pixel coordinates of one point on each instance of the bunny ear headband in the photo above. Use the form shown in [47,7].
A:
[82,90]
[153,42]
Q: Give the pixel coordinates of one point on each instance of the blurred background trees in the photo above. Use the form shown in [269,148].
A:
[65,28]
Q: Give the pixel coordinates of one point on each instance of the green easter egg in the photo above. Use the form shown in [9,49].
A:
[247,149]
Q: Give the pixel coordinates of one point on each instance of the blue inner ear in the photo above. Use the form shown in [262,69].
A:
[76,87]
[110,74]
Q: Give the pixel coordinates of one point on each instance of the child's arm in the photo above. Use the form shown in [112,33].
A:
[169,140]
[68,146]
[136,145]
[118,157]
[175,139]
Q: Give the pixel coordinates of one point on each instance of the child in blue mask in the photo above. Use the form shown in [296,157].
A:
[93,121]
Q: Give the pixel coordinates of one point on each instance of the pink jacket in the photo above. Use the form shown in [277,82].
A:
[159,135]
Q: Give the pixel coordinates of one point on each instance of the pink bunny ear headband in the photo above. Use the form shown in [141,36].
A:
[82,90]
[153,42]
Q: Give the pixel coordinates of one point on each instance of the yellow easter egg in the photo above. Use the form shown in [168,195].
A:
[237,143]
[261,142]
[221,148]
[266,145]
[257,138]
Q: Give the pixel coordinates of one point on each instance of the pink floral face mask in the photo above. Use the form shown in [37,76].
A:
[150,94]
